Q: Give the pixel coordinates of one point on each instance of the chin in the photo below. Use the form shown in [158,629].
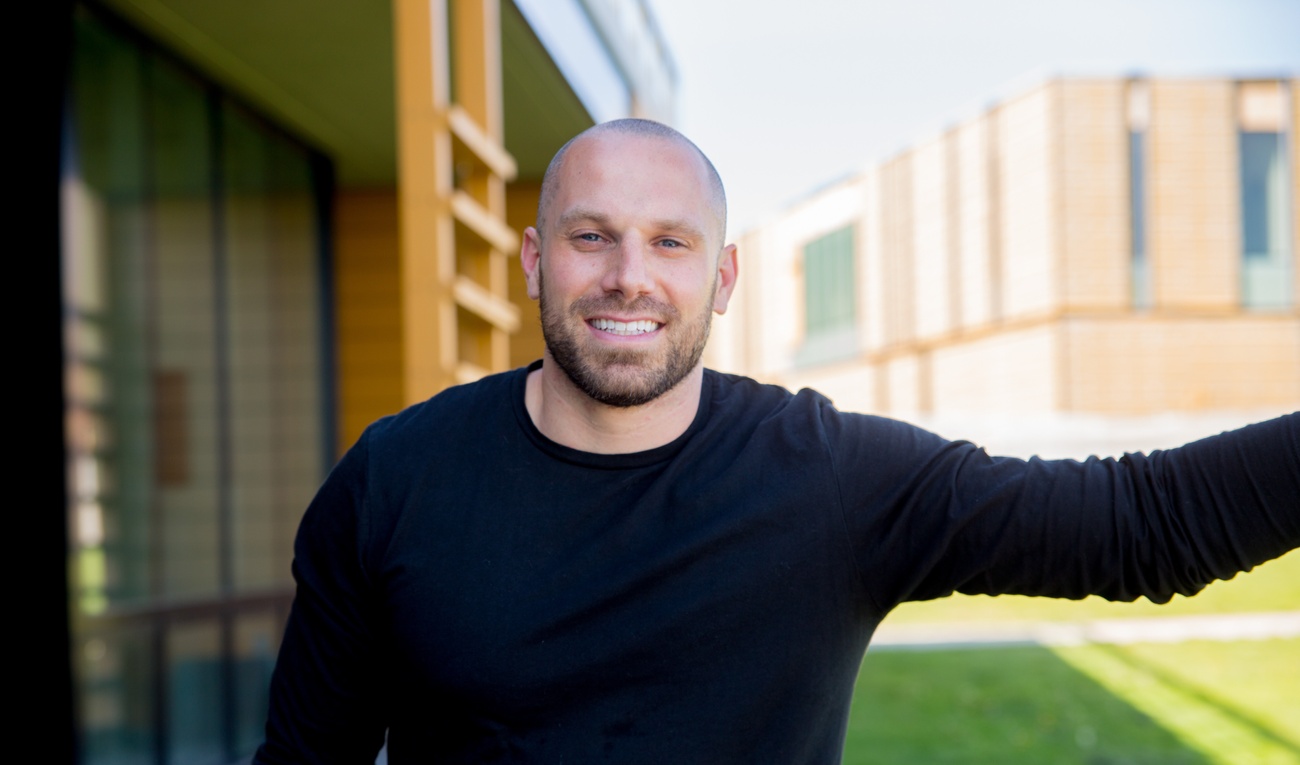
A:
[618,386]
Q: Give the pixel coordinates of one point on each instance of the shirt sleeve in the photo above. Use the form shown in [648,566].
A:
[930,517]
[327,696]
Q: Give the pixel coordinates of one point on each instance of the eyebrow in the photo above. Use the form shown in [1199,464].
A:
[581,215]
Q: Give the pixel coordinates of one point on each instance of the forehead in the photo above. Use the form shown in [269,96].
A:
[638,176]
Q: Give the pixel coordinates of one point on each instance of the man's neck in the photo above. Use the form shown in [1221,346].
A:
[566,415]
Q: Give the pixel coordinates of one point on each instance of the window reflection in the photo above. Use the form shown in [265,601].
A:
[194,380]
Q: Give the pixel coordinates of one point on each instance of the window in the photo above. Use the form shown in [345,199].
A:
[197,414]
[1140,262]
[1265,199]
[830,311]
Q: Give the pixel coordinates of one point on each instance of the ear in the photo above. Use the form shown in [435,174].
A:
[530,257]
[727,272]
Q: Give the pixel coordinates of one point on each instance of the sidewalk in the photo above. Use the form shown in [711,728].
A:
[1173,629]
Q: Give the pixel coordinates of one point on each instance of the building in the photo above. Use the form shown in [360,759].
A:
[1089,251]
[278,221]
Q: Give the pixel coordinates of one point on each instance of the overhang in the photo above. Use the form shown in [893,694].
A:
[325,71]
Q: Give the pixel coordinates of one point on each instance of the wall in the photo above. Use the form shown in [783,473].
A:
[367,315]
[995,264]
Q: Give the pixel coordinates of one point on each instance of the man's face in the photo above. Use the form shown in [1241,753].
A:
[629,266]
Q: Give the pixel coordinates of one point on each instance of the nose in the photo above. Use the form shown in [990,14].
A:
[629,271]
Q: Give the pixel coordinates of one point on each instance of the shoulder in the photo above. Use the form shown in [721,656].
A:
[737,392]
[742,396]
[450,415]
[399,460]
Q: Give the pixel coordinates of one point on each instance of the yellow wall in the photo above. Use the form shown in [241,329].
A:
[521,211]
[367,311]
[368,304]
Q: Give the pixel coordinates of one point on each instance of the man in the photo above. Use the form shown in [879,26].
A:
[615,555]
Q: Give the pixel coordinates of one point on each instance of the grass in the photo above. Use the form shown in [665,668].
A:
[1236,703]
[1192,703]
[1198,702]
[1009,706]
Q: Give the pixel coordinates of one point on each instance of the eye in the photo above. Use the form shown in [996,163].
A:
[589,237]
[671,243]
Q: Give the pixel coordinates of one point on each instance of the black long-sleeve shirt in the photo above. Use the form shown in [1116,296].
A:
[488,595]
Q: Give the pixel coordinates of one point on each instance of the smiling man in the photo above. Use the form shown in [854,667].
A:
[615,555]
[628,262]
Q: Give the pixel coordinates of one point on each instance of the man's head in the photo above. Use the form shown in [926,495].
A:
[628,260]
[645,129]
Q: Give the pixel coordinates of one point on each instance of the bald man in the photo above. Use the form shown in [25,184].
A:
[616,555]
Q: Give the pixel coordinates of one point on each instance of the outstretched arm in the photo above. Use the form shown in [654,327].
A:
[934,517]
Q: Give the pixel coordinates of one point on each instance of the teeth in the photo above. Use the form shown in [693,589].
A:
[625,327]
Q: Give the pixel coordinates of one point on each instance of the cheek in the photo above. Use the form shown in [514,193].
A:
[688,284]
[550,284]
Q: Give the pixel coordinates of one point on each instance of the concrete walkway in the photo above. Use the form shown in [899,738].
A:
[1172,629]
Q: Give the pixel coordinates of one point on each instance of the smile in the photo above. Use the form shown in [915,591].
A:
[639,327]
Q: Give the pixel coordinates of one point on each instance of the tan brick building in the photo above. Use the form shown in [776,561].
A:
[1092,247]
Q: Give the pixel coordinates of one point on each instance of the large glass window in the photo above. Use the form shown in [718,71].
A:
[1141,262]
[1140,259]
[830,308]
[1267,260]
[197,419]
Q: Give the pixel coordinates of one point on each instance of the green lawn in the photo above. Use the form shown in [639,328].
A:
[1009,706]
[1198,702]
[1236,703]
[1211,703]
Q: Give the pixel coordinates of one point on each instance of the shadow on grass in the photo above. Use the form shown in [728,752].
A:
[1199,694]
[1011,706]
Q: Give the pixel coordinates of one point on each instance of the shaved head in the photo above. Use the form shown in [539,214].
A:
[632,127]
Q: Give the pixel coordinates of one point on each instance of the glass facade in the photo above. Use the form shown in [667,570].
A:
[1140,275]
[830,310]
[197,419]
[1138,116]
[1265,236]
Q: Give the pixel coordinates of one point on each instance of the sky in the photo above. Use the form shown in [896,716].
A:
[786,97]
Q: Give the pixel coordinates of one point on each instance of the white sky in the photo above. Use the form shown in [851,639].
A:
[785,96]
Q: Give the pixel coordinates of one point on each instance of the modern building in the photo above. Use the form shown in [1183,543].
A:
[279,220]
[1091,250]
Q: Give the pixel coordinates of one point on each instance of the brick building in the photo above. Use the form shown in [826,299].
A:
[1092,250]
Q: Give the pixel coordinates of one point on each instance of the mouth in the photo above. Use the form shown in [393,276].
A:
[625,328]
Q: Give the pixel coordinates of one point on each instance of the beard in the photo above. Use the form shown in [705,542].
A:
[623,377]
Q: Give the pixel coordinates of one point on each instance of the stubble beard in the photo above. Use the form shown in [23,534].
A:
[623,377]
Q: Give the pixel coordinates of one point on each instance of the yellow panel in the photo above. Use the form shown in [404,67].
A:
[521,211]
[424,183]
[367,310]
